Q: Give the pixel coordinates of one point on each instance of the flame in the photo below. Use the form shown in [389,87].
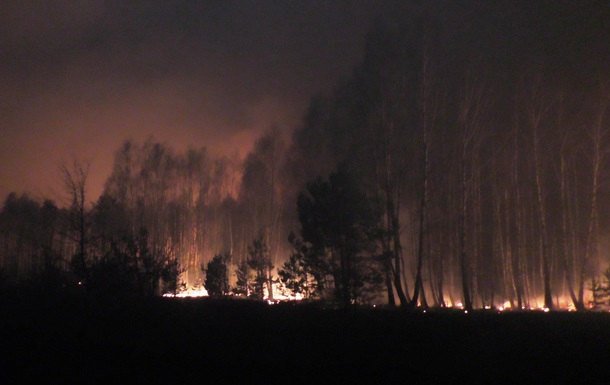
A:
[192,292]
[279,294]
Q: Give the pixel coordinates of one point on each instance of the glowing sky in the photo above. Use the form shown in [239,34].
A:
[79,77]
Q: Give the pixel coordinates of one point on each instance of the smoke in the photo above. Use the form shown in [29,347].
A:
[81,77]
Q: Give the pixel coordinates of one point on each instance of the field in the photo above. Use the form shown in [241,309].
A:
[204,341]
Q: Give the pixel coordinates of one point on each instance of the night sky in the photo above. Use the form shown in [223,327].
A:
[80,77]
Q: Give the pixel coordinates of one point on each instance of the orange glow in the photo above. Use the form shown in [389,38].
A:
[279,294]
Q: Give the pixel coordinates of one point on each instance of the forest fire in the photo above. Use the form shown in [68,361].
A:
[390,192]
[192,292]
[463,187]
[279,294]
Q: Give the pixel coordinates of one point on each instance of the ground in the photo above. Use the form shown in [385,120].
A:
[204,341]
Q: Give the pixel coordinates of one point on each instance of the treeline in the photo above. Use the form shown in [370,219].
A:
[482,133]
[160,217]
[464,160]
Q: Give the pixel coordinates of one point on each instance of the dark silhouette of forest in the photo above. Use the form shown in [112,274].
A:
[463,162]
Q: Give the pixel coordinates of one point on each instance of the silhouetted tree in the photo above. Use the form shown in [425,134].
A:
[74,177]
[339,222]
[260,193]
[259,260]
[243,285]
[216,275]
[184,199]
[300,274]
[133,267]
[30,242]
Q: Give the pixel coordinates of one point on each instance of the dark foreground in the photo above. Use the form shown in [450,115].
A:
[199,341]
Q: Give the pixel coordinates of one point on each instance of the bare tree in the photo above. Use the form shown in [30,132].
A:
[598,134]
[470,122]
[537,107]
[74,177]
[260,194]
[427,114]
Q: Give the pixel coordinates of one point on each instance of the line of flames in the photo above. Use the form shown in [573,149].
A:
[279,295]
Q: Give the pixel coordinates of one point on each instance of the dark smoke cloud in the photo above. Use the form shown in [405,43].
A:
[79,77]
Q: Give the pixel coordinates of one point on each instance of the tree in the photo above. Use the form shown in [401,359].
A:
[339,222]
[74,177]
[47,242]
[170,275]
[299,274]
[133,267]
[259,260]
[426,116]
[469,119]
[598,134]
[28,237]
[152,261]
[216,275]
[184,199]
[260,193]
[243,285]
[537,107]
